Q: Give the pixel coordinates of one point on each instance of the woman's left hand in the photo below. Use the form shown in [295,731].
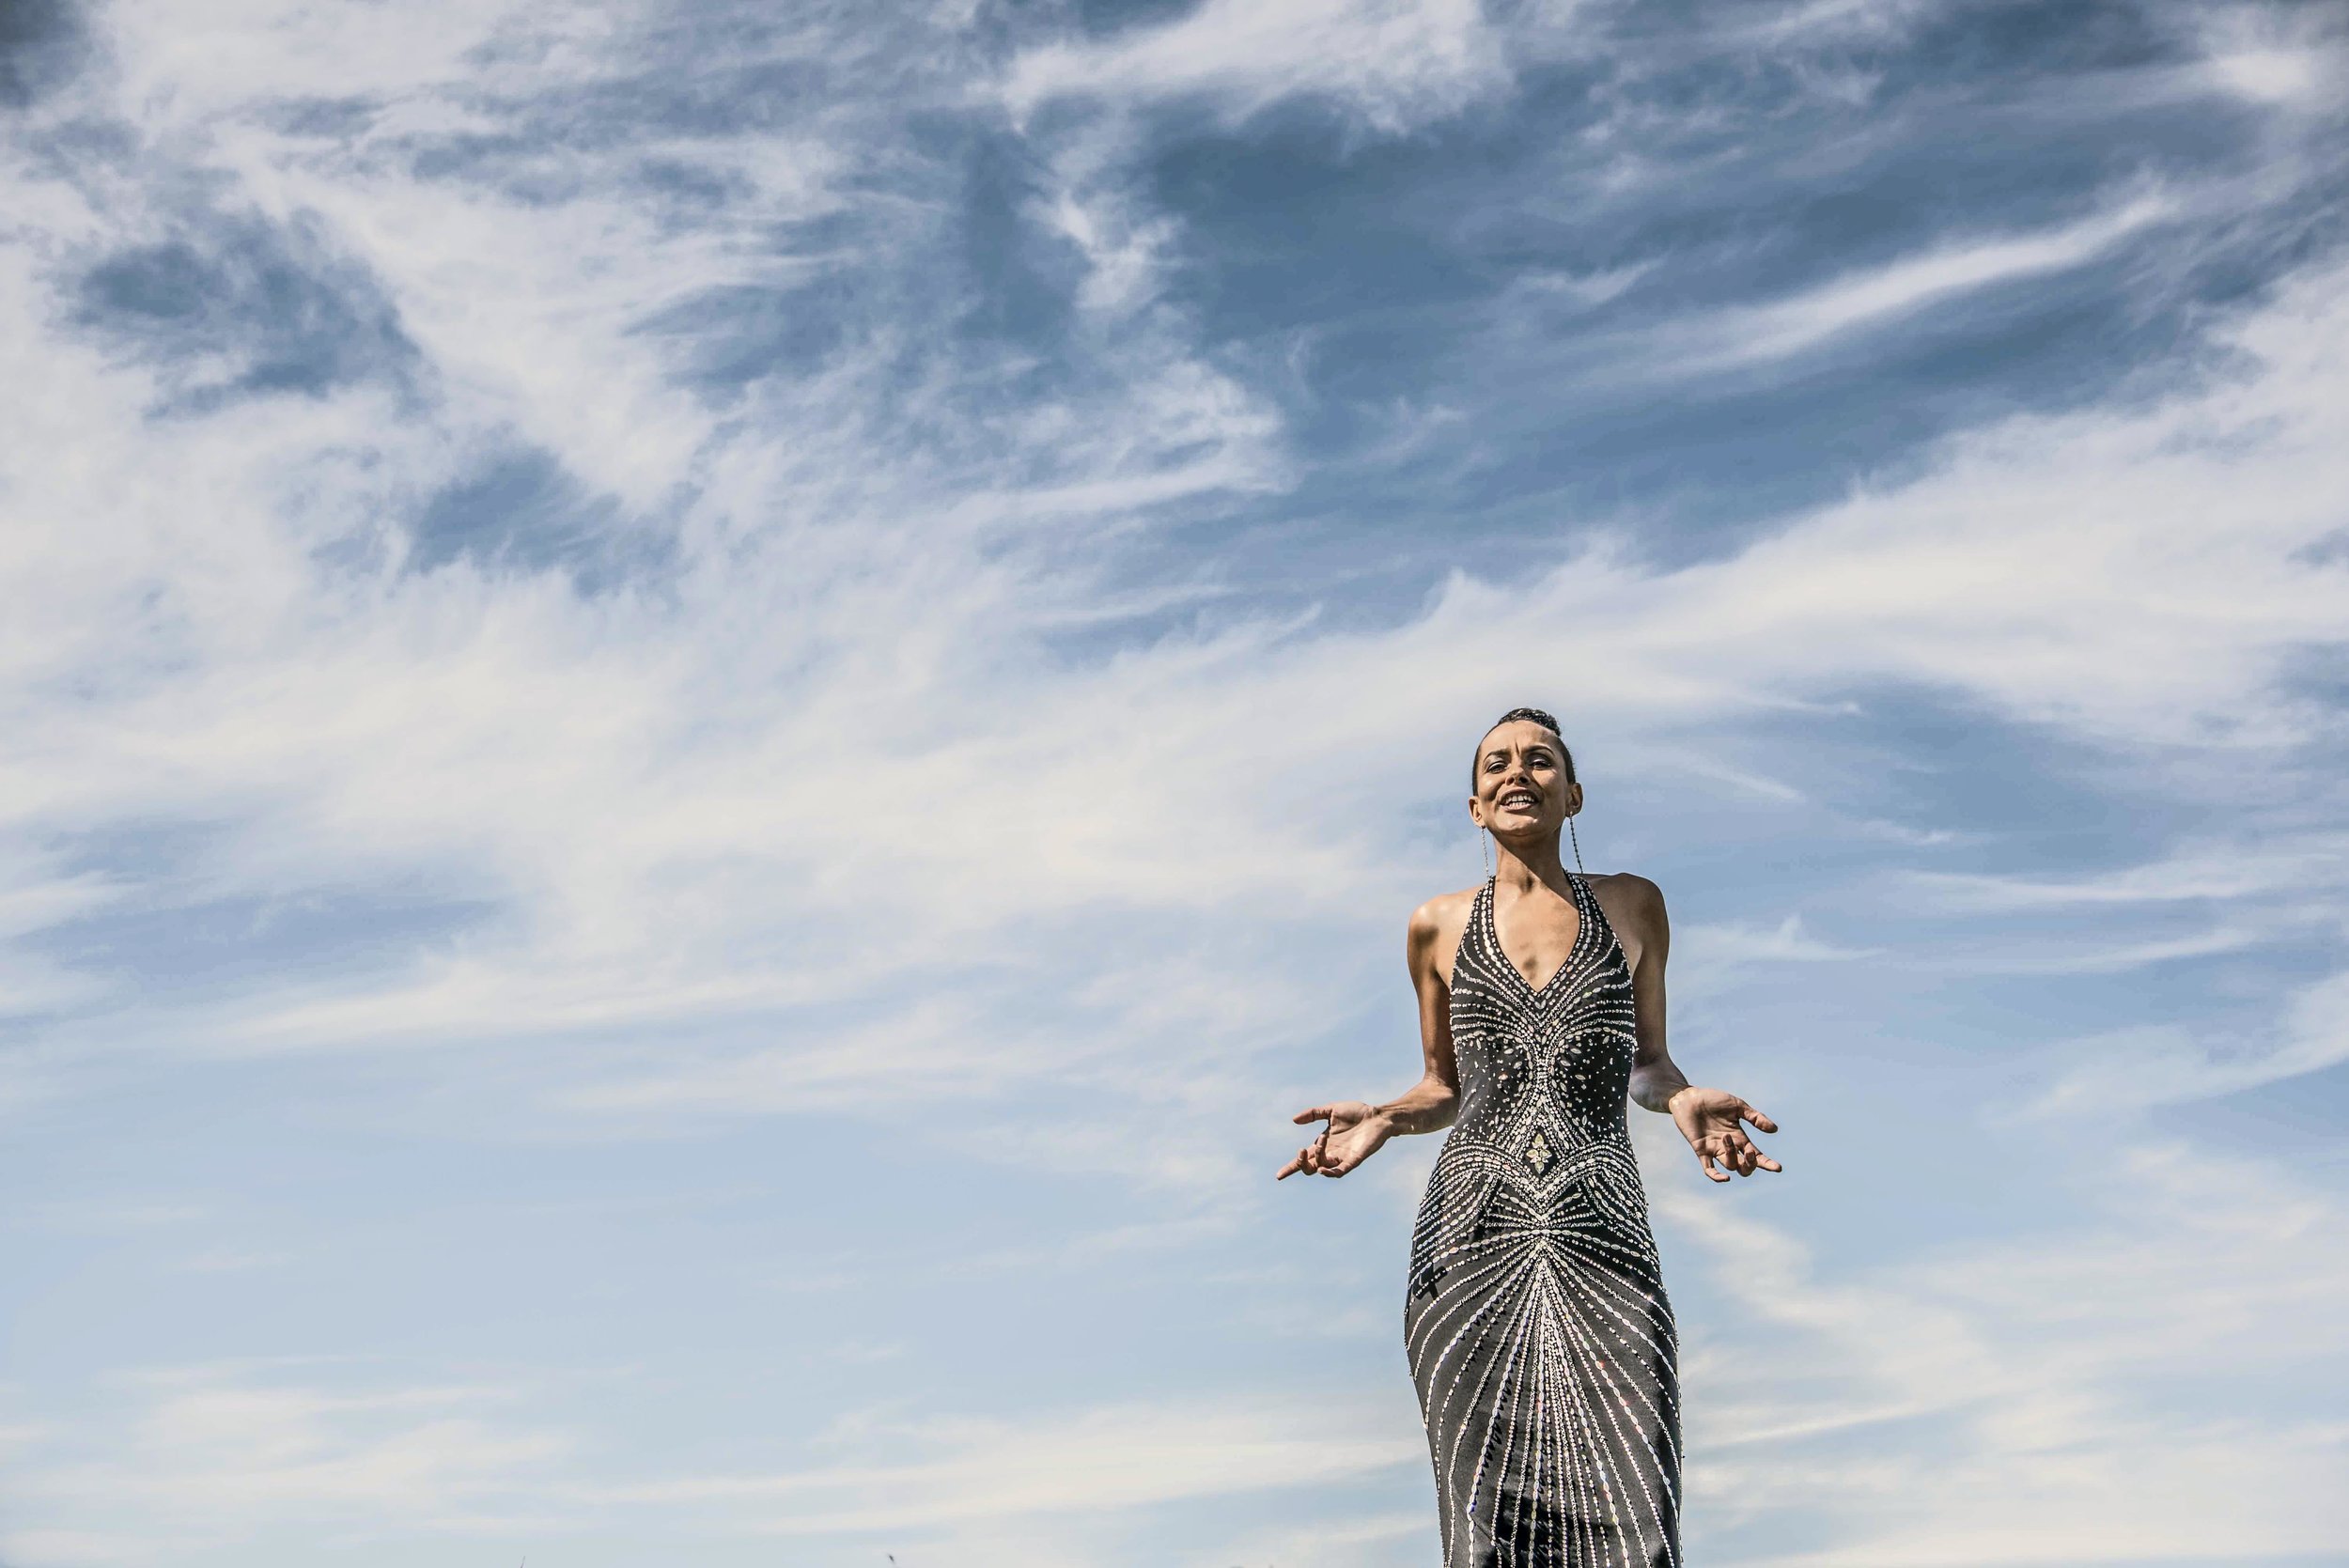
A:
[1356,1132]
[1708,1119]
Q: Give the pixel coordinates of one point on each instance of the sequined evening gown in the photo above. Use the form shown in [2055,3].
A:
[1540,1337]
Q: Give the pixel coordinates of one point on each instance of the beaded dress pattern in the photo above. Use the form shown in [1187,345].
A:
[1540,1337]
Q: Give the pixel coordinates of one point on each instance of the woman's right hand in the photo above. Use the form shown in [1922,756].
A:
[1354,1134]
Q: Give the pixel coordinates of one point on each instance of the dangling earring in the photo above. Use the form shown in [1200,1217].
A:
[1485,842]
[1577,842]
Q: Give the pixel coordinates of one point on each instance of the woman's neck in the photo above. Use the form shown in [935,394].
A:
[1519,869]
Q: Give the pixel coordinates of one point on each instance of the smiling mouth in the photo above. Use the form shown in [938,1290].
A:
[1518,798]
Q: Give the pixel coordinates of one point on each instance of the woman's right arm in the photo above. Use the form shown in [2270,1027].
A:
[1429,1105]
[1356,1131]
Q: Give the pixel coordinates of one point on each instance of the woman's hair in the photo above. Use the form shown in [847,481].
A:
[1510,718]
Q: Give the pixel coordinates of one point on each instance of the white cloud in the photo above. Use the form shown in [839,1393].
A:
[1122,243]
[1102,1460]
[2287,57]
[1807,18]
[1785,942]
[2025,1398]
[2168,1064]
[2272,75]
[927,1050]
[1392,64]
[1348,1532]
[2231,872]
[286,48]
[211,1455]
[657,793]
[1747,334]
[655,790]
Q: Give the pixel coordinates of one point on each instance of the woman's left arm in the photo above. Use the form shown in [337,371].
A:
[1710,1119]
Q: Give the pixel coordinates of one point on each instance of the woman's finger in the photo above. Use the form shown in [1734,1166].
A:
[1751,1157]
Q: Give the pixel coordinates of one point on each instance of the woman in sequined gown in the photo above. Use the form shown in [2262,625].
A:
[1538,1330]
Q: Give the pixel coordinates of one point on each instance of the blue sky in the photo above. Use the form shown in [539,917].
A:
[712,709]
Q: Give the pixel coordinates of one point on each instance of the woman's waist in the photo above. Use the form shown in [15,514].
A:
[1493,1102]
[1594,1071]
[1544,1150]
[1528,1182]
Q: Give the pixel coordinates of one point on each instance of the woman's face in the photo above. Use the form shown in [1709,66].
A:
[1522,786]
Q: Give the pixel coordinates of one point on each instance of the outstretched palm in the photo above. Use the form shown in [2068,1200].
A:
[1709,1119]
[1354,1134]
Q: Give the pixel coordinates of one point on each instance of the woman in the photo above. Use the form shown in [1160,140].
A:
[1540,1337]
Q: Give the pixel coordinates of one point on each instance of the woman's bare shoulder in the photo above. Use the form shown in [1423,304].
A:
[1627,895]
[1445,909]
[1445,913]
[1437,927]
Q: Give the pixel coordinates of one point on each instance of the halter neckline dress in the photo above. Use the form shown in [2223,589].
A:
[1540,1337]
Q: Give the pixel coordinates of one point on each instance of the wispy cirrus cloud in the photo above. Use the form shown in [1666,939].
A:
[1394,64]
[2155,1065]
[1912,284]
[222,1454]
[211,1456]
[1107,1459]
[2047,1366]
